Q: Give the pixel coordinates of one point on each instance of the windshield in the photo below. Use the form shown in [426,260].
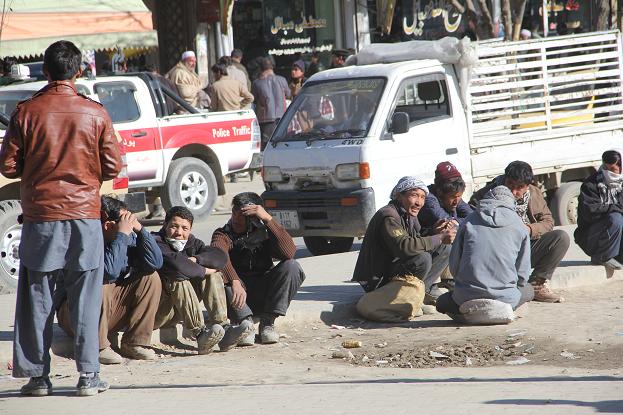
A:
[10,99]
[335,109]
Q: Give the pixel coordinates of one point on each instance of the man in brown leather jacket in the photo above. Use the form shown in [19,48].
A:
[62,146]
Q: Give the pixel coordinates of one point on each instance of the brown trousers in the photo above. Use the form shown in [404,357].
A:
[181,302]
[129,306]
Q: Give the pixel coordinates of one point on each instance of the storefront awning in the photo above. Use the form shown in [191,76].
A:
[32,25]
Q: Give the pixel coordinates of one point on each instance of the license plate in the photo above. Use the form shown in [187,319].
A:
[289,219]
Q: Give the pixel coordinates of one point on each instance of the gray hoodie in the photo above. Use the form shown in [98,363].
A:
[490,256]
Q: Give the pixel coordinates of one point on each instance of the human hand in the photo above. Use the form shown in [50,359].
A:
[209,271]
[256,210]
[136,225]
[448,235]
[239,294]
[125,223]
[193,259]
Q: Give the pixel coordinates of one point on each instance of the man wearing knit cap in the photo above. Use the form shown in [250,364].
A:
[444,201]
[393,245]
[189,85]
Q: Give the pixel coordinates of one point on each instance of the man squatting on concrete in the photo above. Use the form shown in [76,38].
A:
[547,246]
[393,245]
[63,146]
[131,290]
[189,275]
[490,257]
[251,239]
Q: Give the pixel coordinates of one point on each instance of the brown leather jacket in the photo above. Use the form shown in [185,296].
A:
[63,146]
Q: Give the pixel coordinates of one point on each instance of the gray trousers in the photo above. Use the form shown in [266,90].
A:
[547,252]
[34,315]
[427,266]
[270,293]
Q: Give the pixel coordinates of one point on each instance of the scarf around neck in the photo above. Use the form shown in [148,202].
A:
[611,187]
[521,205]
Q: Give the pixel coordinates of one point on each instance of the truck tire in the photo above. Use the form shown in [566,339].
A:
[10,236]
[564,203]
[192,184]
[325,245]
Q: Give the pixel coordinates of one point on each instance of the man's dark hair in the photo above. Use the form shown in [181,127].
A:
[7,63]
[219,69]
[452,186]
[111,208]
[62,60]
[180,212]
[225,60]
[246,198]
[265,64]
[520,171]
[611,157]
[236,53]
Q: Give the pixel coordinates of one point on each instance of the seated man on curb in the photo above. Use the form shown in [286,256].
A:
[393,245]
[600,214]
[131,289]
[189,275]
[444,200]
[547,246]
[490,257]
[254,286]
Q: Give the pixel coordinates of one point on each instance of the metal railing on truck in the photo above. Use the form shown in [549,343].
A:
[544,88]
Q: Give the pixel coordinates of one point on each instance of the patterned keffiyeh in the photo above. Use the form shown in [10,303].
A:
[611,188]
[408,183]
[521,205]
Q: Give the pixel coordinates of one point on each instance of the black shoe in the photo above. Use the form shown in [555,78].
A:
[90,386]
[37,386]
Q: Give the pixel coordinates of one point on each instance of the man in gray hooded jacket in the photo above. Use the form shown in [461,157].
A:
[490,257]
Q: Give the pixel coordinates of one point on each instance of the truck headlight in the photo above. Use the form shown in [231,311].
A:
[272,174]
[352,171]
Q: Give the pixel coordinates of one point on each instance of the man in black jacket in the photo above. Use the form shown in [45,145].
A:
[600,214]
[189,275]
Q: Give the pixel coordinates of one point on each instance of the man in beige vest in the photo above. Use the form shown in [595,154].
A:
[188,84]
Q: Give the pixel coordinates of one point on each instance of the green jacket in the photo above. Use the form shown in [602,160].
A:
[389,237]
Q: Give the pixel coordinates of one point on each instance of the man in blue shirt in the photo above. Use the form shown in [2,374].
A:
[132,288]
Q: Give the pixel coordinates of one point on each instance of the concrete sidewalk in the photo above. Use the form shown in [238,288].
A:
[327,296]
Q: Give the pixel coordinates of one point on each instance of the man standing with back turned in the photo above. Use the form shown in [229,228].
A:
[63,146]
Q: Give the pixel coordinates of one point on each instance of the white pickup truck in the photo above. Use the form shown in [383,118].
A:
[182,158]
[555,103]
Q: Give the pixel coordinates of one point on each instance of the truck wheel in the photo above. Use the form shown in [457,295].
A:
[564,204]
[10,236]
[192,184]
[325,245]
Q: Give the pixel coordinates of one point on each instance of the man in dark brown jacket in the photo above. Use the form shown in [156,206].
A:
[548,246]
[254,286]
[394,247]
[62,146]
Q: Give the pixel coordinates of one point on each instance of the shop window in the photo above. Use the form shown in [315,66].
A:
[118,99]
[424,99]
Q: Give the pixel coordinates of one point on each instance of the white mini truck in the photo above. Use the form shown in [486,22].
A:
[343,143]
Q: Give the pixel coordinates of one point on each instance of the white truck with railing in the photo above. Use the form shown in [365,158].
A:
[352,132]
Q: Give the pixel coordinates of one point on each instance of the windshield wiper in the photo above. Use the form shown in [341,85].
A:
[351,131]
[304,134]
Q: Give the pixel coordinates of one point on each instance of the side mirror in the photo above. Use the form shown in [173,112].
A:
[400,123]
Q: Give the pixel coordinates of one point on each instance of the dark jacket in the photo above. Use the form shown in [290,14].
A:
[131,254]
[177,265]
[63,146]
[433,211]
[391,234]
[593,206]
[252,255]
[540,217]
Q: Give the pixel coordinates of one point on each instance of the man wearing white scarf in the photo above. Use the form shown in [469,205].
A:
[600,214]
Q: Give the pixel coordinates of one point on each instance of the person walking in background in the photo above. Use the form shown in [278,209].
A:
[226,93]
[270,92]
[297,77]
[236,58]
[62,145]
[314,66]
